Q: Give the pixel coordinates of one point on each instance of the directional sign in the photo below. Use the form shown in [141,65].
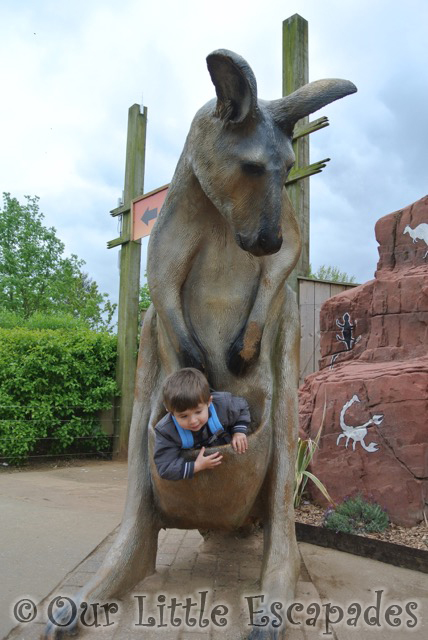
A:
[145,211]
[149,214]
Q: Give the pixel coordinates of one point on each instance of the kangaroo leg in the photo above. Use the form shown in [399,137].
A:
[281,560]
[245,348]
[133,555]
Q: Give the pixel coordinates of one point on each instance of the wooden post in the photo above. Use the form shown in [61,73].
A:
[295,73]
[130,258]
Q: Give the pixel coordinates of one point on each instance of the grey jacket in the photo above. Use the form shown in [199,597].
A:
[234,415]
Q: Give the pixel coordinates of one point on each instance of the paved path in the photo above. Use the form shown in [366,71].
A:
[227,569]
[50,520]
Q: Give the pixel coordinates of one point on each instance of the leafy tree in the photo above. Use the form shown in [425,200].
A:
[145,298]
[34,274]
[332,274]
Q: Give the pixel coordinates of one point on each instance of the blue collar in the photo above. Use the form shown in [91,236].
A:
[186,435]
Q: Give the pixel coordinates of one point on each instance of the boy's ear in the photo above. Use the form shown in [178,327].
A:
[211,399]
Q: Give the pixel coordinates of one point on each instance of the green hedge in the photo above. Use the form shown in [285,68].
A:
[52,384]
[39,320]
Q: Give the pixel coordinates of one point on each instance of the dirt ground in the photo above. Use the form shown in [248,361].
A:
[415,537]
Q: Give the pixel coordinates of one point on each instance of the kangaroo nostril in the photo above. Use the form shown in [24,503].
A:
[272,243]
[264,243]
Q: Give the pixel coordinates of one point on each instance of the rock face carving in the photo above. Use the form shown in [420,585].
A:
[418,233]
[387,369]
[219,256]
[357,433]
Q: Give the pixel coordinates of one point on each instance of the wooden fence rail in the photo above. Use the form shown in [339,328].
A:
[312,294]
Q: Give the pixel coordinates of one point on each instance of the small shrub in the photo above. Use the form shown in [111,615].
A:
[356,515]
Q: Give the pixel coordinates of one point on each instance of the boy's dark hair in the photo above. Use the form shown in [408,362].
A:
[185,389]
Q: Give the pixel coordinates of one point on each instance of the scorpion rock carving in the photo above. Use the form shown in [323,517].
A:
[418,233]
[357,434]
[218,259]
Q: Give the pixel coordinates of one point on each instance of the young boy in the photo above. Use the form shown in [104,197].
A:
[197,418]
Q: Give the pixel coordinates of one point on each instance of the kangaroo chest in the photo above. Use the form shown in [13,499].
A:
[219,292]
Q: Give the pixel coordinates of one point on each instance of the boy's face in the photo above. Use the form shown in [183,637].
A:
[193,419]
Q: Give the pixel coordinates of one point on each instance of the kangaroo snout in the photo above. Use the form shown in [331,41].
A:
[264,244]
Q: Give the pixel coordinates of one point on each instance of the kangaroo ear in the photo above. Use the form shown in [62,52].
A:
[313,96]
[235,86]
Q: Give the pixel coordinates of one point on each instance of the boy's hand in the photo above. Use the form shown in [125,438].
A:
[207,462]
[240,442]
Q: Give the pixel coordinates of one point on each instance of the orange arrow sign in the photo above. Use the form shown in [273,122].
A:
[145,211]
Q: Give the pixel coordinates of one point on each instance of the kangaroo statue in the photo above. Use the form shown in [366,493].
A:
[219,256]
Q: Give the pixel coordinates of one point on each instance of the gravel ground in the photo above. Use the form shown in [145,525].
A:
[416,537]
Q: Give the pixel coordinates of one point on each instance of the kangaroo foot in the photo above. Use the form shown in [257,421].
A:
[268,618]
[278,588]
[131,558]
[267,633]
[65,621]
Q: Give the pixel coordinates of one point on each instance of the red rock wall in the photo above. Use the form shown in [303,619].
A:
[380,446]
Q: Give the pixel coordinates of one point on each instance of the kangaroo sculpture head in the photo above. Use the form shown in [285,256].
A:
[240,148]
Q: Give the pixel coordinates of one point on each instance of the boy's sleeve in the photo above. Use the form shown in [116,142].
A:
[168,461]
[240,414]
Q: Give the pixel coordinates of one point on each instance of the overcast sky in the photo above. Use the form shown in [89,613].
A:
[69,71]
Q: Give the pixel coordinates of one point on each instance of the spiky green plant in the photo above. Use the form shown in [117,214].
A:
[305,452]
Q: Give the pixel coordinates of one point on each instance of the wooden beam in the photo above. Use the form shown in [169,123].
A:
[117,241]
[130,258]
[315,125]
[119,211]
[305,172]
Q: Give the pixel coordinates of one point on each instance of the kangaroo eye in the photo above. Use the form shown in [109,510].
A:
[253,168]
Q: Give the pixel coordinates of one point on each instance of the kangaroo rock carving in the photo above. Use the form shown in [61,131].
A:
[219,256]
[358,433]
[420,232]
